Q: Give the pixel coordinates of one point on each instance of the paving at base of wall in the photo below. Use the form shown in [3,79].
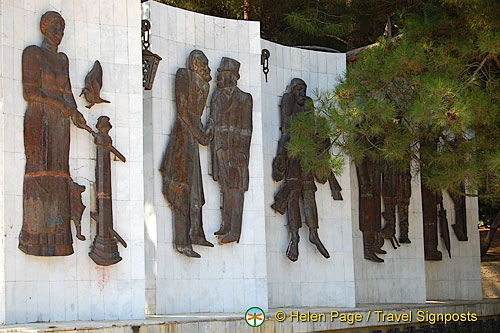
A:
[223,322]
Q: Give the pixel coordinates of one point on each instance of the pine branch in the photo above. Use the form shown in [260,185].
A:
[476,71]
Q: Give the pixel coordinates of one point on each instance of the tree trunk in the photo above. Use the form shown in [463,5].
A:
[489,237]
[246,6]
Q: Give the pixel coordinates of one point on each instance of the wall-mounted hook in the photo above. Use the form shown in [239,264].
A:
[264,61]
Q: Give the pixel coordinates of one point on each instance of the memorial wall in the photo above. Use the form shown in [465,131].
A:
[43,287]
[228,277]
[117,202]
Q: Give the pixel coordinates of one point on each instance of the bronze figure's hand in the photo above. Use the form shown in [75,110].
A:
[209,133]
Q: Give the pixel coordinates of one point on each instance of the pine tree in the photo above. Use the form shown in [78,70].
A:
[430,96]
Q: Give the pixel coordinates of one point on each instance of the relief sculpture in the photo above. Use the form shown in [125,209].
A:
[396,193]
[50,197]
[430,216]
[384,180]
[403,202]
[180,168]
[298,185]
[460,225]
[104,250]
[93,85]
[370,185]
[231,122]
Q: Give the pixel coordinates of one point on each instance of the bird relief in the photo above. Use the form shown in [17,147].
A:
[93,85]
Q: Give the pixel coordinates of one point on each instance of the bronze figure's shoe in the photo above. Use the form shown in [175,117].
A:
[292,252]
[314,238]
[187,250]
[198,240]
[404,240]
[224,229]
[373,257]
[380,251]
[230,237]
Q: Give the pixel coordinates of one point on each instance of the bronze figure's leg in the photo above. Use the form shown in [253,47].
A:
[236,198]
[460,225]
[403,222]
[196,233]
[225,213]
[369,179]
[294,224]
[403,201]
[182,241]
[311,218]
[369,241]
[389,194]
[429,207]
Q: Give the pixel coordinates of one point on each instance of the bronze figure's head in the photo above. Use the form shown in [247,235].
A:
[298,89]
[198,63]
[228,73]
[52,26]
[103,124]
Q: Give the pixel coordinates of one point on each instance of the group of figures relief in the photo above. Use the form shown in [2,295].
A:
[382,183]
[51,199]
[228,132]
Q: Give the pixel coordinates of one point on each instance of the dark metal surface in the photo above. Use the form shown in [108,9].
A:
[150,60]
[443,224]
[369,179]
[264,61]
[180,168]
[77,208]
[104,249]
[50,197]
[93,85]
[403,201]
[230,121]
[335,188]
[430,216]
[298,186]
[460,225]
[389,196]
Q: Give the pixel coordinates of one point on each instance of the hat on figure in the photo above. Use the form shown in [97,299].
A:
[228,64]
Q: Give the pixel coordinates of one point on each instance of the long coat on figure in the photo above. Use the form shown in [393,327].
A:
[231,119]
[180,168]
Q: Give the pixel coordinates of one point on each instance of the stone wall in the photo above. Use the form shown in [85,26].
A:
[230,277]
[73,287]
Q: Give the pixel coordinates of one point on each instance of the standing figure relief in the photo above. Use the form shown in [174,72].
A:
[180,168]
[231,122]
[50,197]
[298,186]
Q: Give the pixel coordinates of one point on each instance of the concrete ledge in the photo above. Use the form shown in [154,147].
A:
[224,322]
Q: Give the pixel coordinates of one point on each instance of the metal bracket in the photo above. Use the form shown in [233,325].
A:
[264,61]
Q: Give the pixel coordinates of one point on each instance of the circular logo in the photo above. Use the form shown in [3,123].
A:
[255,317]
